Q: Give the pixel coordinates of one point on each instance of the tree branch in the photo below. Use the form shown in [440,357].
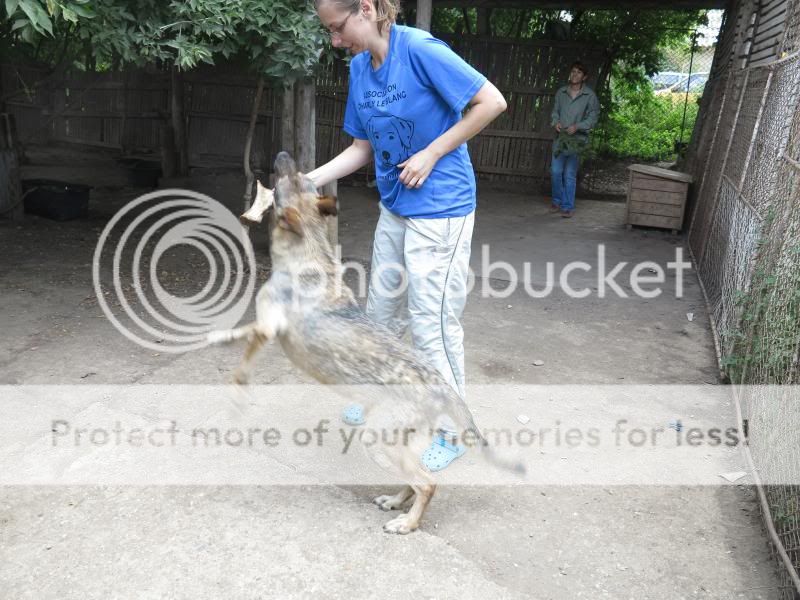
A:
[248,144]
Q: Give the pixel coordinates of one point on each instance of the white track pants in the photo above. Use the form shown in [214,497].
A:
[420,270]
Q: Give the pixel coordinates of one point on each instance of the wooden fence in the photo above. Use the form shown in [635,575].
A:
[127,111]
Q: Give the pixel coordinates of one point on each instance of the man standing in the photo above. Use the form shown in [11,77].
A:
[575,112]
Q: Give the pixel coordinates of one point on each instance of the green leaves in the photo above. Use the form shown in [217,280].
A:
[37,16]
[33,19]
[280,39]
[570,144]
[637,124]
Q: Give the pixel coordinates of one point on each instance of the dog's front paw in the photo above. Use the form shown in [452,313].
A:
[402,525]
[240,377]
[388,502]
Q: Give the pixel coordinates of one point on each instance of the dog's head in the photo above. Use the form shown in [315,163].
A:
[297,215]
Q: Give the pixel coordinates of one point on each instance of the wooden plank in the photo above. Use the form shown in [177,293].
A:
[530,90]
[528,135]
[655,208]
[105,86]
[657,196]
[768,42]
[660,185]
[768,32]
[766,45]
[503,171]
[227,117]
[765,55]
[78,114]
[765,23]
[452,39]
[770,9]
[660,173]
[654,221]
[75,140]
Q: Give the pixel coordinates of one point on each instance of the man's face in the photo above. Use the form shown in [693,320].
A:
[576,76]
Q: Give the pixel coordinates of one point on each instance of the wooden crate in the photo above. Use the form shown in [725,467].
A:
[657,197]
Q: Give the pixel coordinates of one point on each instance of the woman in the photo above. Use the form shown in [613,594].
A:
[407,93]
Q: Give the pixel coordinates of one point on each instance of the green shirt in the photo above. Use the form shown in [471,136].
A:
[582,110]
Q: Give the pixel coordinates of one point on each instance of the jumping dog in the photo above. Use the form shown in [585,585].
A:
[306,306]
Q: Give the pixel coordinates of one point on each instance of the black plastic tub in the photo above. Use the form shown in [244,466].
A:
[141,172]
[54,199]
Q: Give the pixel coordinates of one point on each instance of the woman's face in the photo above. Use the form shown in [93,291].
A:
[347,30]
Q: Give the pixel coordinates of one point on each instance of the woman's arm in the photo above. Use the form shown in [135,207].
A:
[350,160]
[484,108]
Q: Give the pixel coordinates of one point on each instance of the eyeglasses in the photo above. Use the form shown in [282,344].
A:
[339,29]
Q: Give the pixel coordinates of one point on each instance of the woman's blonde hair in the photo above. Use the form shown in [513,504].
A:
[385,10]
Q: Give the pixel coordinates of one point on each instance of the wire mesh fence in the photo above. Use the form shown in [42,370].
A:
[681,82]
[745,238]
[685,68]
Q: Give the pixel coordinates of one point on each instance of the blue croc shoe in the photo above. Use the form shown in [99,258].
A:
[440,454]
[353,414]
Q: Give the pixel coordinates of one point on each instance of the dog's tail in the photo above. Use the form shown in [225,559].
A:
[464,417]
[512,465]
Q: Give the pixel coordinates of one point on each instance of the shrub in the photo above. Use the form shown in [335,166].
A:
[644,126]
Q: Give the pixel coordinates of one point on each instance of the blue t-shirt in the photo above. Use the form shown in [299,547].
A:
[417,94]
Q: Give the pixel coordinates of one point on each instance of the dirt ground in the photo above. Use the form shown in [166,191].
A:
[248,541]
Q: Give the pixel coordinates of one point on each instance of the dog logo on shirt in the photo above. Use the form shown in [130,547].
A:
[391,138]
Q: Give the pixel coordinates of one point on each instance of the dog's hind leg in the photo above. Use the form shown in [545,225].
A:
[424,488]
[389,502]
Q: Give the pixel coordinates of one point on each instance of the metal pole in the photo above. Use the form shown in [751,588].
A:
[688,83]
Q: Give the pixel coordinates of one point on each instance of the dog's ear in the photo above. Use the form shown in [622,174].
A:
[326,205]
[405,129]
[290,219]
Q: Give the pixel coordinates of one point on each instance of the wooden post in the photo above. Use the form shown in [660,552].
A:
[332,189]
[123,107]
[305,117]
[424,14]
[483,21]
[287,121]
[167,144]
[305,124]
[10,181]
[178,124]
